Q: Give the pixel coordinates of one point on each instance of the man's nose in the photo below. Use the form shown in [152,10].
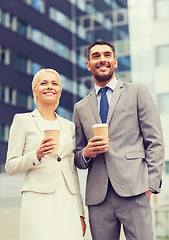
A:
[102,58]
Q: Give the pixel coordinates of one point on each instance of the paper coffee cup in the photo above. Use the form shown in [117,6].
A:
[55,134]
[101,130]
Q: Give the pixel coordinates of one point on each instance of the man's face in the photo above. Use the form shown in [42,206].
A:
[102,64]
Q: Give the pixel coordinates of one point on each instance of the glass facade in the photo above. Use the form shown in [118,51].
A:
[56,37]
[162,53]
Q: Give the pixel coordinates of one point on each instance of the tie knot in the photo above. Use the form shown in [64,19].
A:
[104,90]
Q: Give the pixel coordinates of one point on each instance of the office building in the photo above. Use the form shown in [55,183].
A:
[149,48]
[39,34]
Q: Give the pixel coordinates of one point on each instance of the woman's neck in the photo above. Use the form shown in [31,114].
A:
[47,112]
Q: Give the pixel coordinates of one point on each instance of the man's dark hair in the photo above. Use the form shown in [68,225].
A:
[102,42]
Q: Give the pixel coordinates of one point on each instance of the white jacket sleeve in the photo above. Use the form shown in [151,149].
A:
[16,161]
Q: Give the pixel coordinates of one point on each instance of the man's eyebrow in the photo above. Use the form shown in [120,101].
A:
[95,53]
[106,52]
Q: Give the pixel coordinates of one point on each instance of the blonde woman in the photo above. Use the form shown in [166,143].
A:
[51,202]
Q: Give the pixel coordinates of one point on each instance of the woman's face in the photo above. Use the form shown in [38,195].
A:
[47,89]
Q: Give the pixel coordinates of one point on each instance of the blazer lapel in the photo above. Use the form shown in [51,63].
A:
[94,107]
[115,96]
[62,147]
[38,120]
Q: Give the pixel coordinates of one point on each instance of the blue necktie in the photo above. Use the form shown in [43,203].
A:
[104,105]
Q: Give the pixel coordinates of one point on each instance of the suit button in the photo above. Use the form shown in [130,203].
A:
[59,159]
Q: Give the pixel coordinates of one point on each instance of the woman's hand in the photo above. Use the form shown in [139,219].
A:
[83,225]
[46,147]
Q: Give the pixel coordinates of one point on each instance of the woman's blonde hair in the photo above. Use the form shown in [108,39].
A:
[36,78]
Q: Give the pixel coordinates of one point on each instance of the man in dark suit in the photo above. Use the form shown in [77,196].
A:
[122,173]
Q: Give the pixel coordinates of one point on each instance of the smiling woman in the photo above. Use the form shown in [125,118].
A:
[47,82]
[51,197]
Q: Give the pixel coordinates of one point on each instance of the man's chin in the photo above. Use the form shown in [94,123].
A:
[103,78]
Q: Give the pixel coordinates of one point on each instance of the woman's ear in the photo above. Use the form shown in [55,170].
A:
[34,92]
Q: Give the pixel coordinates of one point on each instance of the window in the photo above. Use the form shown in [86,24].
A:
[21,99]
[82,90]
[108,24]
[52,13]
[21,63]
[162,54]
[63,112]
[163,100]
[124,63]
[4,131]
[38,5]
[11,95]
[2,92]
[4,55]
[122,32]
[22,28]
[81,32]
[36,36]
[81,4]
[81,61]
[61,50]
[35,67]
[4,17]
[162,9]
[60,18]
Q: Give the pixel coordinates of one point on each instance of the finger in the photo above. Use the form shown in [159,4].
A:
[96,138]
[101,142]
[45,149]
[47,139]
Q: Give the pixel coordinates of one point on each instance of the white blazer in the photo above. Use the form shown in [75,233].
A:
[26,135]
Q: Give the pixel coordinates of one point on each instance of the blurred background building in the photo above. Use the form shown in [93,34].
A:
[39,34]
[55,34]
[149,53]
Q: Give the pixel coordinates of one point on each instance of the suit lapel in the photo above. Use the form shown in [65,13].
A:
[63,126]
[94,107]
[39,121]
[115,96]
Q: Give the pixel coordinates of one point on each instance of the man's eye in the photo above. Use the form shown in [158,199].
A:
[95,56]
[55,83]
[43,83]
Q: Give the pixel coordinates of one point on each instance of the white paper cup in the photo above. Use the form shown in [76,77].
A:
[101,130]
[55,134]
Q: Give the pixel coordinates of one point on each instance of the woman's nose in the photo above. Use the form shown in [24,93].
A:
[50,86]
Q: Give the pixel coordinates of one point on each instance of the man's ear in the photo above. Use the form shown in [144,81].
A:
[88,65]
[116,63]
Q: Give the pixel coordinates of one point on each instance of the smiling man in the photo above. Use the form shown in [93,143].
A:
[124,172]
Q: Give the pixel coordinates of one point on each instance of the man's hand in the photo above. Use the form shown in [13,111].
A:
[83,225]
[95,146]
[149,193]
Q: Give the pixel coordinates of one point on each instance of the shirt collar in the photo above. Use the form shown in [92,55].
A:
[112,84]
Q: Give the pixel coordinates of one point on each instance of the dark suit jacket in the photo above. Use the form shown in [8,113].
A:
[134,160]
